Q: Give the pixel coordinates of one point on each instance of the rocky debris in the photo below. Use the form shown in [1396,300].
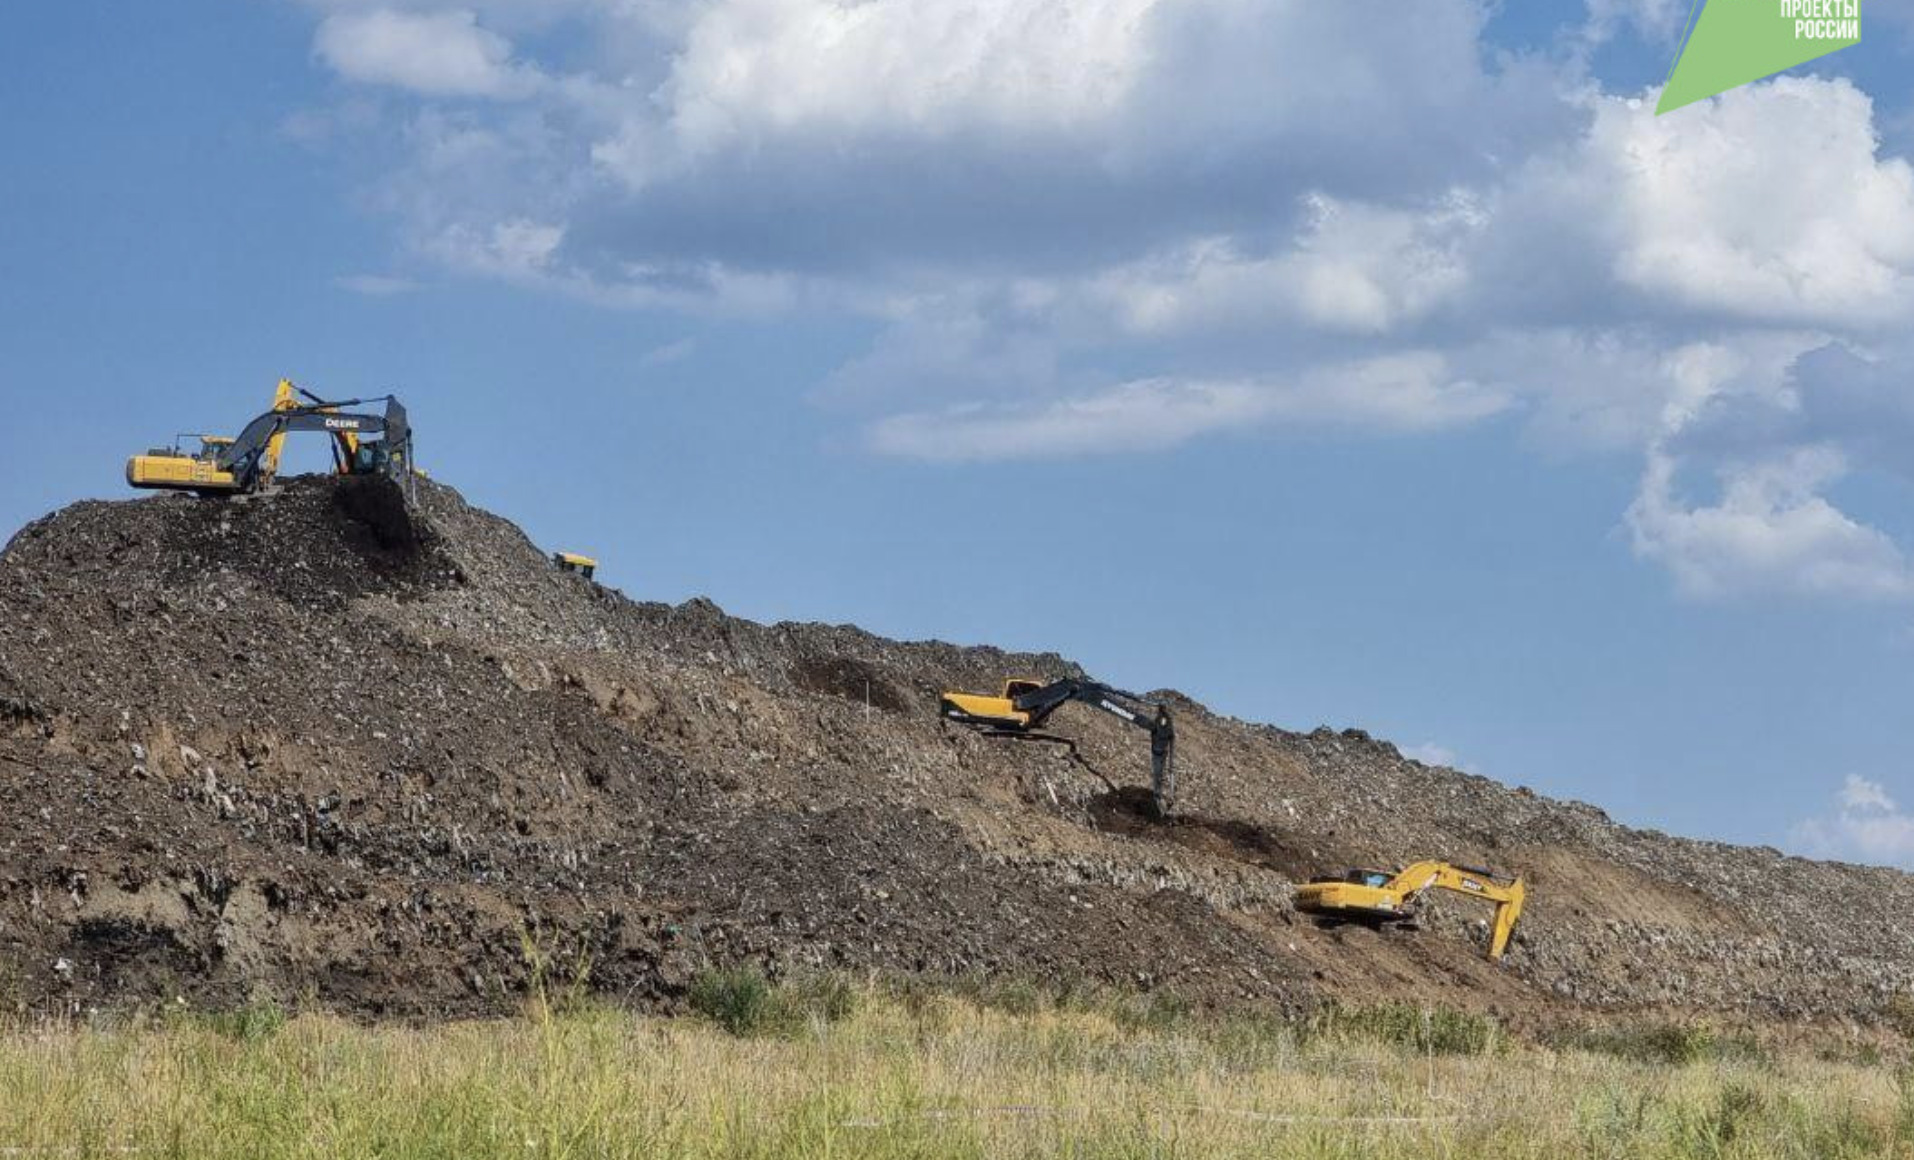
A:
[313,744]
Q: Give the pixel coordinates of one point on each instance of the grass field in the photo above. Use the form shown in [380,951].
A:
[856,1072]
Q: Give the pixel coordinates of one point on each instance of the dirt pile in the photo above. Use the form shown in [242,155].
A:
[295,746]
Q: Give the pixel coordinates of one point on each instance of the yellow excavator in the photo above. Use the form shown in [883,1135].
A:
[1019,713]
[573,562]
[248,462]
[1376,897]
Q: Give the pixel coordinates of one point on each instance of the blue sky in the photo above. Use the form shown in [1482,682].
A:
[1368,364]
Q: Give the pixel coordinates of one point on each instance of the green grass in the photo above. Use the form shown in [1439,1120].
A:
[743,1002]
[1434,1031]
[1667,1043]
[817,1067]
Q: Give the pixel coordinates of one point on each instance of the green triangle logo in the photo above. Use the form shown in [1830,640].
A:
[1737,41]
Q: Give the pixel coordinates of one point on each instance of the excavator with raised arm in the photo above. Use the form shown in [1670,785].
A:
[247,463]
[1377,897]
[1019,713]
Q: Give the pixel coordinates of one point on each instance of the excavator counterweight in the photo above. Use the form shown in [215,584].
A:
[1378,896]
[1026,704]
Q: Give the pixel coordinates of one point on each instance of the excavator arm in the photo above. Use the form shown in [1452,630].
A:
[1376,897]
[1026,705]
[251,459]
[262,440]
[1474,882]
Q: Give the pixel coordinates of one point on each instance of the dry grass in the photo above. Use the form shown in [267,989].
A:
[907,1075]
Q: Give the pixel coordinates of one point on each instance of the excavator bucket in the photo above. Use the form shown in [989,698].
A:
[1507,911]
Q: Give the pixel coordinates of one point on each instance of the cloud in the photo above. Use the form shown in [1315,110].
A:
[1081,227]
[1353,268]
[1655,20]
[1139,416]
[1777,430]
[440,54]
[1403,394]
[1117,84]
[1859,795]
[882,138]
[518,248]
[753,69]
[1868,825]
[1769,204]
[1769,531]
[1832,394]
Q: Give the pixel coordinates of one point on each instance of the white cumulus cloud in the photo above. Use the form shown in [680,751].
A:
[1354,267]
[1080,227]
[755,67]
[1408,393]
[441,53]
[1769,203]
[1867,825]
[1768,531]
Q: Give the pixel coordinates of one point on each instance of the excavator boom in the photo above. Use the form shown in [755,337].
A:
[1376,896]
[1025,705]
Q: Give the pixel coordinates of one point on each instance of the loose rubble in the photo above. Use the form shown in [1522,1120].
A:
[302,747]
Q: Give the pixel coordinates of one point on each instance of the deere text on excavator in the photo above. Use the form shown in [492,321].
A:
[1376,897]
[1020,711]
[248,462]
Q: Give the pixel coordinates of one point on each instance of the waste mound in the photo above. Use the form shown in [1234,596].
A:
[319,746]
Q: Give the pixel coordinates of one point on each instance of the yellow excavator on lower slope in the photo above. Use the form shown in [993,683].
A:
[1377,896]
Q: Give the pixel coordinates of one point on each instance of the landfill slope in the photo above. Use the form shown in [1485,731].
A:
[310,747]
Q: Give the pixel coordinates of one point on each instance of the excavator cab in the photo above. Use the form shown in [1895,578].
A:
[369,459]
[210,446]
[1360,877]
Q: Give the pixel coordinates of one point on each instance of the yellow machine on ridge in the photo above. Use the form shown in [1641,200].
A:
[1377,896]
[248,462]
[585,566]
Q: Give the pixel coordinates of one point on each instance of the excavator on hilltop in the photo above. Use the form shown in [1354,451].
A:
[1025,704]
[1377,897]
[247,463]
